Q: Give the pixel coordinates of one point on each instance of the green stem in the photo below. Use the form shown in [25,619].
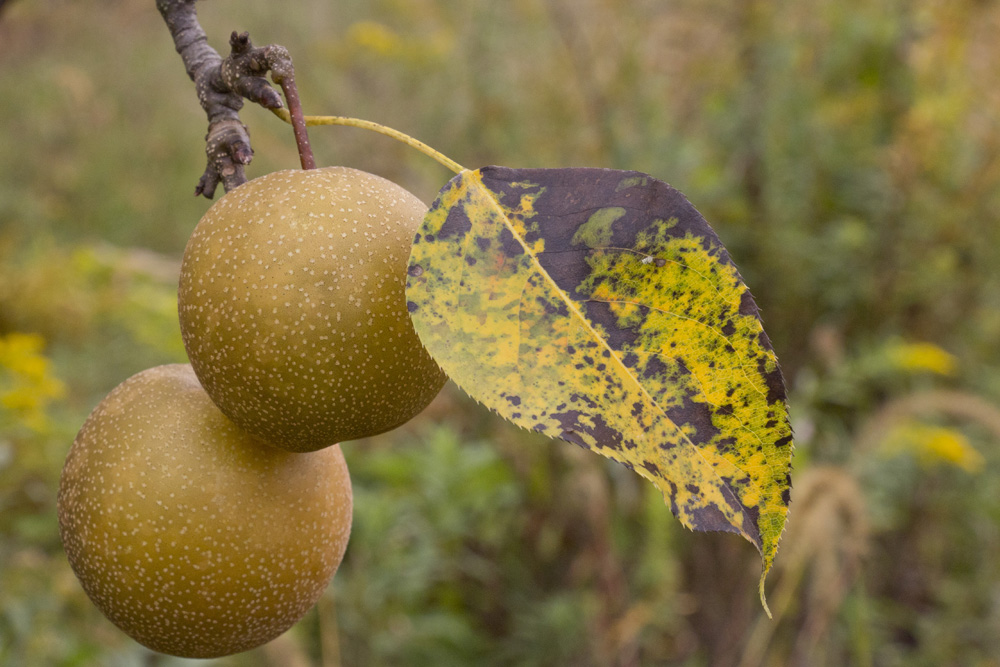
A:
[381,129]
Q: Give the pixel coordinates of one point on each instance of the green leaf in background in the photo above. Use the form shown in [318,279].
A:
[598,306]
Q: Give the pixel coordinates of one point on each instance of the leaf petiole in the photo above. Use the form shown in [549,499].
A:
[381,129]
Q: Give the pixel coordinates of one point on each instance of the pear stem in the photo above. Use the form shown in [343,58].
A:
[375,127]
[298,121]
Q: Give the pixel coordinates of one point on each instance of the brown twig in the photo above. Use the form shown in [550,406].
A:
[223,84]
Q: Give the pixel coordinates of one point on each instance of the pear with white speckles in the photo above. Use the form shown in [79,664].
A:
[293,312]
[192,537]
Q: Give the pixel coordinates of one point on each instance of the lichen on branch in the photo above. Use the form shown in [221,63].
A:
[222,84]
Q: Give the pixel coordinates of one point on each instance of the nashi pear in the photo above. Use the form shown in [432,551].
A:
[192,537]
[292,307]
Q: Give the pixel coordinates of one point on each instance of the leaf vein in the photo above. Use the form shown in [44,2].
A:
[743,365]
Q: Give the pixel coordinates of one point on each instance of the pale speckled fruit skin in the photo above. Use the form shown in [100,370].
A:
[192,537]
[292,307]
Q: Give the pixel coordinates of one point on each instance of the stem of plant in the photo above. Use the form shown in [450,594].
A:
[298,121]
[374,127]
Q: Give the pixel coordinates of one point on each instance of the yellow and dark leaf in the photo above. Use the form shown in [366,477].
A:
[598,306]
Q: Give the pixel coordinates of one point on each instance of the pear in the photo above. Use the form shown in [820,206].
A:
[292,307]
[191,536]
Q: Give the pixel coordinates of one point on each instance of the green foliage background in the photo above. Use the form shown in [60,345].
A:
[847,153]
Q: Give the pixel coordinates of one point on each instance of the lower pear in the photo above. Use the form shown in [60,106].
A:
[191,536]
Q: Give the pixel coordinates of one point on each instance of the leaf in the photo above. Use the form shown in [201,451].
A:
[598,306]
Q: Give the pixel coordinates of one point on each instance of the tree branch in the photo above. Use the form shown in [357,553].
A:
[223,84]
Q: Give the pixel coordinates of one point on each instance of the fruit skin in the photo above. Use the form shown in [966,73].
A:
[292,307]
[191,536]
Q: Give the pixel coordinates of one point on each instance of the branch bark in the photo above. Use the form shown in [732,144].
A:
[223,84]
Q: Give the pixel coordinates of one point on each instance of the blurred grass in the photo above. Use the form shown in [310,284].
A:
[848,154]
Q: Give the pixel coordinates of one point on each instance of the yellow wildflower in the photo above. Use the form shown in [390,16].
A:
[933,445]
[27,385]
[375,37]
[917,357]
